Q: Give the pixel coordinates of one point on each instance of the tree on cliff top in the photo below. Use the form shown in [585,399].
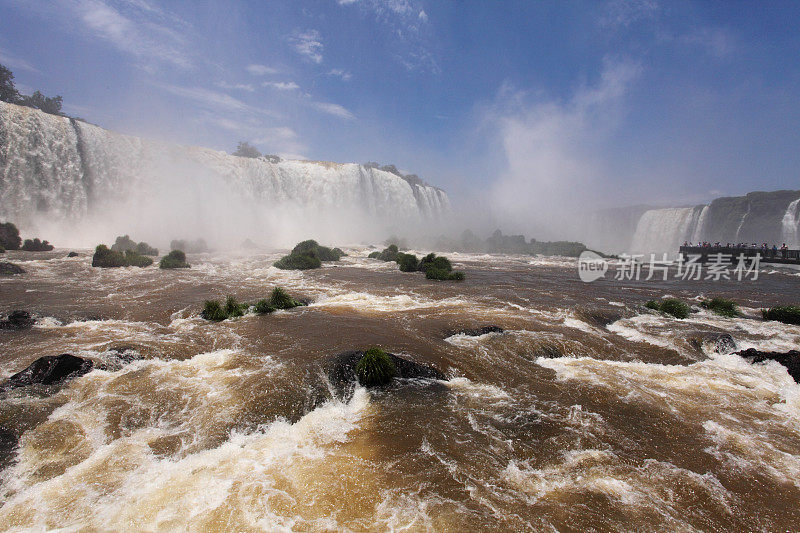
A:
[245,149]
[8,93]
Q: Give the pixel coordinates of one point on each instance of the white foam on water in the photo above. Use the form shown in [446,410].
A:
[257,479]
[365,302]
[463,340]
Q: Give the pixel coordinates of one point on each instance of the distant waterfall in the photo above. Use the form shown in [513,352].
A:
[697,234]
[67,178]
[664,230]
[790,231]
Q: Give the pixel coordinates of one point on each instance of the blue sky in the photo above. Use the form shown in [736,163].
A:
[526,105]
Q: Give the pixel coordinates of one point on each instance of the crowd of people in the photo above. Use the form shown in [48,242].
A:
[765,250]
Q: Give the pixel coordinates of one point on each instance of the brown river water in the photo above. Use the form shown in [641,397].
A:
[233,426]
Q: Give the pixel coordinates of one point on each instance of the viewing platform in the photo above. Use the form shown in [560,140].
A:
[732,253]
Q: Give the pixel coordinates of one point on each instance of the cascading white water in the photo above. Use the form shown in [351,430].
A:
[697,234]
[663,230]
[790,225]
[76,183]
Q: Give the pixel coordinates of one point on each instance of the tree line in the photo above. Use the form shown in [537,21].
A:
[10,94]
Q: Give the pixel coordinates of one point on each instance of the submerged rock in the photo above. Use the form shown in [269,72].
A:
[10,269]
[790,359]
[50,370]
[18,320]
[548,351]
[596,317]
[73,254]
[342,374]
[483,330]
[724,344]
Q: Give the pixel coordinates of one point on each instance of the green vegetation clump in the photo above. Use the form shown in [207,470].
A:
[9,236]
[280,299]
[439,268]
[722,307]
[307,255]
[35,245]
[213,310]
[375,368]
[125,244]
[233,308]
[174,259]
[105,258]
[407,262]
[263,307]
[670,306]
[788,314]
[443,275]
[388,254]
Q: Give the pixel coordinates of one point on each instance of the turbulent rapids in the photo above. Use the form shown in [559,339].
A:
[585,413]
[80,183]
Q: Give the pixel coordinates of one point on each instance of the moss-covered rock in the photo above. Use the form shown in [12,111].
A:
[722,306]
[36,245]
[343,374]
[10,269]
[788,314]
[670,306]
[9,236]
[174,259]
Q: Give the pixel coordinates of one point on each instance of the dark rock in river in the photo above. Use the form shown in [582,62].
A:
[597,318]
[341,369]
[9,269]
[18,320]
[483,330]
[548,351]
[725,344]
[790,359]
[8,443]
[73,254]
[51,369]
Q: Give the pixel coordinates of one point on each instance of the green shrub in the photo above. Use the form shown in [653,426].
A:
[443,275]
[134,259]
[670,306]
[105,258]
[213,311]
[233,308]
[374,255]
[427,262]
[174,259]
[721,306]
[375,368]
[125,244]
[788,314]
[280,299]
[36,245]
[407,262]
[145,249]
[263,307]
[388,254]
[9,236]
[302,261]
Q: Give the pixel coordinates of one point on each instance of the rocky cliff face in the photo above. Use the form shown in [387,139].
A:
[57,172]
[758,217]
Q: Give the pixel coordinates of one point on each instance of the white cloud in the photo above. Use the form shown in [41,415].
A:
[340,73]
[423,16]
[623,13]
[236,86]
[260,70]
[553,148]
[210,98]
[309,45]
[717,42]
[15,62]
[333,109]
[281,85]
[138,34]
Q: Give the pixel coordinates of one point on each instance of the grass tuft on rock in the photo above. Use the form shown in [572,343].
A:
[307,255]
[233,308]
[213,310]
[174,259]
[263,307]
[407,262]
[375,368]
[280,299]
[670,306]
[722,306]
[788,314]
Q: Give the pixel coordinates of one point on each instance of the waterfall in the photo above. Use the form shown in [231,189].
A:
[697,234]
[790,225]
[67,178]
[664,230]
